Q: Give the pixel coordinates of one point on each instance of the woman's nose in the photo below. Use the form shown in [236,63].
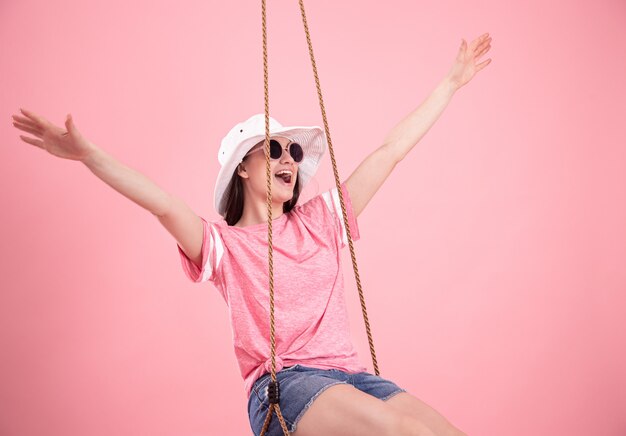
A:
[286,157]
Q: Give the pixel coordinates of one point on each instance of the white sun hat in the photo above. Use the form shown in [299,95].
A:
[245,135]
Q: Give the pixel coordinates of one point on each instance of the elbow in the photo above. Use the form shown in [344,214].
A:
[164,206]
[393,152]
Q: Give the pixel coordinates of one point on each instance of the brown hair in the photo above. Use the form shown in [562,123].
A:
[233,196]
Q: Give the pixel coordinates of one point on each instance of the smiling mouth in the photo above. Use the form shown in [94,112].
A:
[285,178]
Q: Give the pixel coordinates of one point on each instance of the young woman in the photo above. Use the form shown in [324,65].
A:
[324,389]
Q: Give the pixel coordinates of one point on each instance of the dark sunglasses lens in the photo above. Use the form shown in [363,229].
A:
[296,152]
[276,150]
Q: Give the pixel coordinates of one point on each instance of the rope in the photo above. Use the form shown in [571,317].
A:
[273,388]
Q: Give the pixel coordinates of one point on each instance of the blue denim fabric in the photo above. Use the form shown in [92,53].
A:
[299,386]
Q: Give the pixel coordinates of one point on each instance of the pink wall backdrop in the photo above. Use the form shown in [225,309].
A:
[493,259]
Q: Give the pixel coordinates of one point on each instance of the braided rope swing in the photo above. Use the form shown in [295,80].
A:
[273,388]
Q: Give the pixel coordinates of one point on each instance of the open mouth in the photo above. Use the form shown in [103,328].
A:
[285,177]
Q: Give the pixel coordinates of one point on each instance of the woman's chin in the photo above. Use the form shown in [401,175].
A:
[283,196]
[281,192]
[282,199]
[283,189]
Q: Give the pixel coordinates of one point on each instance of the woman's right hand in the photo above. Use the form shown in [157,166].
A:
[68,144]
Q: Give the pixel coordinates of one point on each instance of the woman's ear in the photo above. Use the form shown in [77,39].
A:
[241,170]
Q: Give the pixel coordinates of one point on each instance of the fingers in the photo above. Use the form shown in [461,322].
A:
[32,141]
[485,40]
[477,52]
[479,42]
[482,65]
[482,38]
[35,118]
[482,52]
[28,129]
[462,49]
[26,122]
[69,123]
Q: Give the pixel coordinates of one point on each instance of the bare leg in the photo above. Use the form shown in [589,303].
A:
[410,405]
[343,410]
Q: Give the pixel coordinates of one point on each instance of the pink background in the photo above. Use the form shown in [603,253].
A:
[492,260]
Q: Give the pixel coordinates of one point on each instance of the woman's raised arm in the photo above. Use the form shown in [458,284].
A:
[368,177]
[180,221]
[172,212]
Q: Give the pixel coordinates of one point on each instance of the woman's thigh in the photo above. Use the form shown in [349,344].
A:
[343,410]
[412,406]
[347,403]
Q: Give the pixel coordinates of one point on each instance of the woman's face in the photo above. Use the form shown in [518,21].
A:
[253,172]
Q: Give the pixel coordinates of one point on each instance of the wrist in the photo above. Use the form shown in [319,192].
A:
[449,85]
[92,155]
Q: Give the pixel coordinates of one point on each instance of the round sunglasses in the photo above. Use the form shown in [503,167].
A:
[276,150]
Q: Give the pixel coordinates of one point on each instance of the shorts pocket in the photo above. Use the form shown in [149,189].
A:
[260,389]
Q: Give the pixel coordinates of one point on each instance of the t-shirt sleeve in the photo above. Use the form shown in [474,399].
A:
[331,199]
[212,251]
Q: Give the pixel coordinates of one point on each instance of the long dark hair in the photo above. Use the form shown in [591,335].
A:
[234,199]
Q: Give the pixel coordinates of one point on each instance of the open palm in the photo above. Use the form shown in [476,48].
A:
[465,65]
[65,143]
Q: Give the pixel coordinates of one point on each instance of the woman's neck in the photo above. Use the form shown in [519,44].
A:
[257,214]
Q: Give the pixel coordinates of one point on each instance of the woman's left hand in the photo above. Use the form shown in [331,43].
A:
[465,65]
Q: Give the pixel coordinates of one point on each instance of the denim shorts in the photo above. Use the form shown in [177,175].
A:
[299,386]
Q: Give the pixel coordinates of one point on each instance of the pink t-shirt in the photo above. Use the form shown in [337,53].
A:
[310,315]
